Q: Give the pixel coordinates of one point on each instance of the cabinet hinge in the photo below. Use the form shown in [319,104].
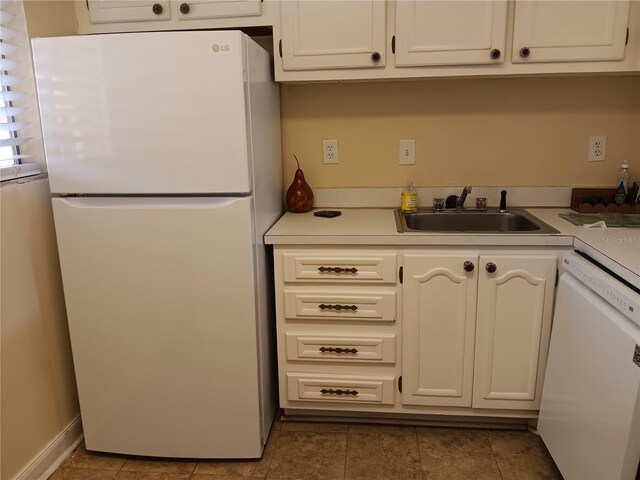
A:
[626,41]
[280,48]
[393,44]
[87,3]
[557,276]
[400,383]
[401,274]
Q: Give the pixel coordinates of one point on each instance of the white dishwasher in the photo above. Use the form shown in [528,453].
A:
[590,411]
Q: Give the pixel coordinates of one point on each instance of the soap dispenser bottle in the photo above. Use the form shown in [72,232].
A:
[409,198]
[622,186]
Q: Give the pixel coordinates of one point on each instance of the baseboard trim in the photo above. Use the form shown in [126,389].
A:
[49,459]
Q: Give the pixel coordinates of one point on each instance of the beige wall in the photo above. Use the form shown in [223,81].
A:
[482,132]
[50,18]
[38,392]
[37,385]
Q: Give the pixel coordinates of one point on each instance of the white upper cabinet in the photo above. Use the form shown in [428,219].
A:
[107,16]
[571,30]
[450,33]
[107,11]
[329,40]
[197,9]
[332,34]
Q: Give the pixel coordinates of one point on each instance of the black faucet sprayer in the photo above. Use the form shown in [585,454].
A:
[503,201]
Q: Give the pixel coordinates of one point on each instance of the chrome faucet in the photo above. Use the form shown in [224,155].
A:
[463,197]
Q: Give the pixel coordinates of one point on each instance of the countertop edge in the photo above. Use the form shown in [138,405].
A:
[376,227]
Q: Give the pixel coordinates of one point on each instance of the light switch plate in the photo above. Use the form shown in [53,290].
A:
[407,152]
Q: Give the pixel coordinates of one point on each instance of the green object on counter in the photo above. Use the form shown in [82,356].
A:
[610,219]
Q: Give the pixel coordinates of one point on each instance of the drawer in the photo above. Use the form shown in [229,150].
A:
[341,388]
[323,348]
[333,305]
[340,268]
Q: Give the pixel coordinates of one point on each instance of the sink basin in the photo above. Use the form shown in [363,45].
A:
[491,221]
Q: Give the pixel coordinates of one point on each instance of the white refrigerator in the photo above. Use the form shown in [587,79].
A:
[163,151]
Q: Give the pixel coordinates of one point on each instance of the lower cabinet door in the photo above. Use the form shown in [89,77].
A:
[341,388]
[515,301]
[439,309]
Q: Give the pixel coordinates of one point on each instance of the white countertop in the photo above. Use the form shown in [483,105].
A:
[368,226]
[616,248]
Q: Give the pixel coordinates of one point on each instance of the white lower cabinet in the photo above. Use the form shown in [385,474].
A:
[341,348]
[515,305]
[403,330]
[337,328]
[341,388]
[439,313]
[476,329]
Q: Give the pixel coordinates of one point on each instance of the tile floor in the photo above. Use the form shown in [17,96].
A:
[328,451]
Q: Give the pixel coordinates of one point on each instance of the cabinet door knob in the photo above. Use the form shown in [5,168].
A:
[185,8]
[495,53]
[525,52]
[375,57]
[157,8]
[491,267]
[468,266]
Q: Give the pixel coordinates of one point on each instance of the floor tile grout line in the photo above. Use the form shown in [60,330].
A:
[273,454]
[422,474]
[495,458]
[275,449]
[346,450]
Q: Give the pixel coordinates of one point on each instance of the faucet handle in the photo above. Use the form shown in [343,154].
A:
[503,201]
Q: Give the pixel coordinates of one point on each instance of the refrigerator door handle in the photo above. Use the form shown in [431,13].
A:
[155,203]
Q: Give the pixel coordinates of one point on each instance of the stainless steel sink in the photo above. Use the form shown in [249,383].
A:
[490,221]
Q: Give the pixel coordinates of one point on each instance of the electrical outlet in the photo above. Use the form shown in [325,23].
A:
[407,152]
[330,151]
[598,148]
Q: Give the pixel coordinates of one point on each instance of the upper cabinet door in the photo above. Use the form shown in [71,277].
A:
[564,31]
[105,11]
[199,9]
[450,33]
[330,34]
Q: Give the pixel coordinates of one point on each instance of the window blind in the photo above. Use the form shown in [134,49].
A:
[17,117]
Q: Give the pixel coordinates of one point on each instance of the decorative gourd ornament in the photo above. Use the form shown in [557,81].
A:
[299,195]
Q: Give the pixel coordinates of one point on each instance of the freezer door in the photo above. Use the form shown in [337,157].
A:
[161,305]
[144,112]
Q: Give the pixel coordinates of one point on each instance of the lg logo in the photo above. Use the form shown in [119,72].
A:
[220,48]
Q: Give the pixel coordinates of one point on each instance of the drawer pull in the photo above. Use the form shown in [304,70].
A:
[323,306]
[331,391]
[337,270]
[338,350]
